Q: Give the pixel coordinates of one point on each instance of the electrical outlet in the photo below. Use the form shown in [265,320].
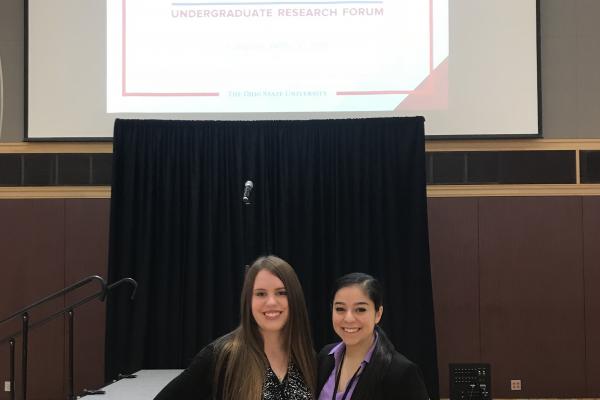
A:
[7,386]
[515,384]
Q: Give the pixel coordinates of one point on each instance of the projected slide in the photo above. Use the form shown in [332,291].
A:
[276,56]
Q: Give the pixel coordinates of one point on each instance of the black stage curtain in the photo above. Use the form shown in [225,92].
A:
[330,197]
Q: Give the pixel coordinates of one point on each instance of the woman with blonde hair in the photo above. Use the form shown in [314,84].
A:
[269,356]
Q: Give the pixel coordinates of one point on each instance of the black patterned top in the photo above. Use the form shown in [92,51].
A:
[291,388]
[197,382]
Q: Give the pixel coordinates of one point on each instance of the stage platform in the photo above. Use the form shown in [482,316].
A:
[145,386]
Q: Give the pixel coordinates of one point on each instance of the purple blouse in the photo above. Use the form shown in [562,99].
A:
[329,387]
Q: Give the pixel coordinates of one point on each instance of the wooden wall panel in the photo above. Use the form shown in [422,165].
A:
[32,248]
[591,263]
[86,253]
[455,280]
[532,319]
[515,284]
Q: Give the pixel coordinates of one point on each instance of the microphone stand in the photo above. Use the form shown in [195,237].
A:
[247,210]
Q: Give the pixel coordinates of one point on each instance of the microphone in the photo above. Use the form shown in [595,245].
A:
[247,190]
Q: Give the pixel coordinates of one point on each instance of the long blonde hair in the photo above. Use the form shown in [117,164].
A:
[241,362]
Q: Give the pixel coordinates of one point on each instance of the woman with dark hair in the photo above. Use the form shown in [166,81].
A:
[269,356]
[365,364]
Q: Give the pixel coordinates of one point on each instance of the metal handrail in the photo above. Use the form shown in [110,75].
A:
[61,292]
[69,310]
[74,306]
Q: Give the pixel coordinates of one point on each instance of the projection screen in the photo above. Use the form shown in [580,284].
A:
[470,67]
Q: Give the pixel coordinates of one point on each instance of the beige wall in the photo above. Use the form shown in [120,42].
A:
[11,53]
[570,75]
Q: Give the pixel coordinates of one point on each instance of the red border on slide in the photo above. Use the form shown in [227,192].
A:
[125,93]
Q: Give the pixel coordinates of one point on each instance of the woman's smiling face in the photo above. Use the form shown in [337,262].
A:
[269,302]
[354,316]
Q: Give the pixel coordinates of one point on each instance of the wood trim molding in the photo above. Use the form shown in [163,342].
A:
[433,191]
[55,192]
[512,145]
[512,190]
[59,147]
[578,189]
[430,145]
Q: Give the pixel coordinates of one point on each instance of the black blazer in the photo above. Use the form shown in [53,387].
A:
[196,382]
[388,376]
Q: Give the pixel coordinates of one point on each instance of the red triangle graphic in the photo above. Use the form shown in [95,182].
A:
[431,94]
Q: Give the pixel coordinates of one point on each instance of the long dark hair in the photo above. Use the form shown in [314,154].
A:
[241,362]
